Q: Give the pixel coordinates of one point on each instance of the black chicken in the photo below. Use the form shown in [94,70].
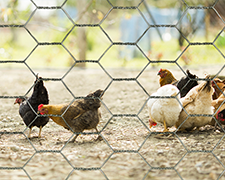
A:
[39,96]
[221,116]
[185,84]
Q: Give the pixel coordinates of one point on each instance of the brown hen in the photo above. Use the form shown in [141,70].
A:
[166,77]
[82,114]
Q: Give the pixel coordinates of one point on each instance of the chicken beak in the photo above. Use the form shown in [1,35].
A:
[151,123]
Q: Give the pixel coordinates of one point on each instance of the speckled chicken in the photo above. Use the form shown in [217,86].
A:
[82,114]
[39,96]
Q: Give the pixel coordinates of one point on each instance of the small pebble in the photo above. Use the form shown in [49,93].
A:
[160,152]
[199,164]
[217,131]
[25,158]
[208,165]
[4,120]
[15,148]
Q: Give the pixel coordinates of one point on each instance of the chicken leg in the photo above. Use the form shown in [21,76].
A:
[39,135]
[165,129]
[165,126]
[99,137]
[74,139]
[29,134]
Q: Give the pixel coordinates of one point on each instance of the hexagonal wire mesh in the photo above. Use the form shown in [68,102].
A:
[129,149]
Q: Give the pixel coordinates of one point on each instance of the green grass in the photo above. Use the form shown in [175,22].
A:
[57,57]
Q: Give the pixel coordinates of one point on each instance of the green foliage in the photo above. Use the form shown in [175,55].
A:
[220,42]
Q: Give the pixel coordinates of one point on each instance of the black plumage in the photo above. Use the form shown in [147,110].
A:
[221,116]
[39,96]
[185,84]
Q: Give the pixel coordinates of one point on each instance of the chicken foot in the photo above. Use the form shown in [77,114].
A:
[99,137]
[165,129]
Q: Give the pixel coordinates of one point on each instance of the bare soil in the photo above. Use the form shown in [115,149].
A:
[129,149]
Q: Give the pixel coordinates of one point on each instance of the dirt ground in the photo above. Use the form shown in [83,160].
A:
[129,149]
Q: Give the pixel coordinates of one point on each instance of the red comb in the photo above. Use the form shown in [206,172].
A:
[40,106]
[154,123]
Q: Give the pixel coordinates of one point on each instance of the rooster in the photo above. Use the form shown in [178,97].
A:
[197,101]
[184,84]
[39,96]
[82,114]
[164,110]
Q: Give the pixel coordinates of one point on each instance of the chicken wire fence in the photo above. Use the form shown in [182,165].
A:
[144,11]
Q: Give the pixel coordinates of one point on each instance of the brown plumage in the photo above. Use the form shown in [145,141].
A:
[219,86]
[216,103]
[185,84]
[166,77]
[218,98]
[82,114]
[197,101]
[86,121]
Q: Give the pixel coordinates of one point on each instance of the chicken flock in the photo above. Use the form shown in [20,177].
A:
[187,104]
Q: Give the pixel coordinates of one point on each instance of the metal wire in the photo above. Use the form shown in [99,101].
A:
[112,80]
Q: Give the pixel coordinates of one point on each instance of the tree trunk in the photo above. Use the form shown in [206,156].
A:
[207,24]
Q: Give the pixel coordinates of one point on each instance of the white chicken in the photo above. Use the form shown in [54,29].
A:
[164,110]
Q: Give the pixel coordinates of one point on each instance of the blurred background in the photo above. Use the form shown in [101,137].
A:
[93,30]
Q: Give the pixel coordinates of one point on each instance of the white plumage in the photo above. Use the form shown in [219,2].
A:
[164,110]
